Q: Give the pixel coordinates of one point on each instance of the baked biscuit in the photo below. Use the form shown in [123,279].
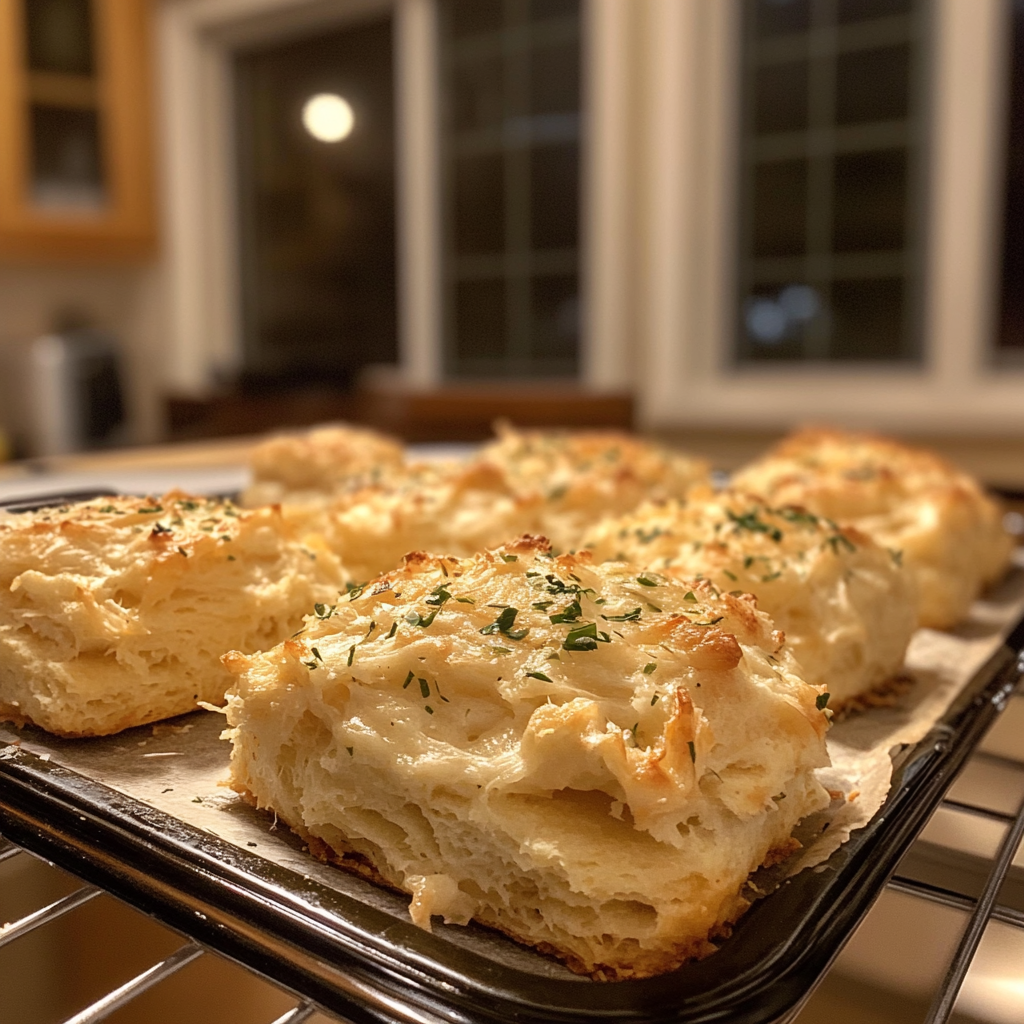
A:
[584,476]
[846,605]
[312,466]
[590,758]
[949,531]
[457,509]
[115,612]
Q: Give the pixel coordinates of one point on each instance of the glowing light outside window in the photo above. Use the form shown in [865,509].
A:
[328,117]
[770,321]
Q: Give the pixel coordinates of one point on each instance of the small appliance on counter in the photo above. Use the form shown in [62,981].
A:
[75,394]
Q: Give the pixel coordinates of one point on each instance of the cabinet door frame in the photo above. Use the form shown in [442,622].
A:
[126,229]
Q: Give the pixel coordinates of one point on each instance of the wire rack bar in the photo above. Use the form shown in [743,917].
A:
[8,851]
[945,998]
[953,900]
[47,914]
[112,1001]
[982,812]
[297,1015]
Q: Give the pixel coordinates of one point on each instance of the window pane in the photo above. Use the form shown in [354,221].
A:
[60,36]
[775,17]
[468,17]
[479,207]
[868,320]
[476,96]
[556,320]
[780,99]
[555,79]
[864,10]
[780,204]
[480,322]
[870,201]
[873,85]
[67,167]
[554,197]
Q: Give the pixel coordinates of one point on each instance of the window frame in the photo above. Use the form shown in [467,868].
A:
[689,170]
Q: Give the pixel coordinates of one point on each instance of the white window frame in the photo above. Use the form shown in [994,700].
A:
[688,290]
[196,42]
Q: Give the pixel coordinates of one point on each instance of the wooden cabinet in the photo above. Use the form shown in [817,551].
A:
[76,174]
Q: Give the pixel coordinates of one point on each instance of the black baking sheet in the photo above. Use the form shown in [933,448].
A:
[143,815]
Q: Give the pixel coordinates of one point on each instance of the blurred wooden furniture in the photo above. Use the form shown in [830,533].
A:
[452,412]
[76,175]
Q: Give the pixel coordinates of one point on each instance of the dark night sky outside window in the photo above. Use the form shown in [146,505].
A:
[1010,338]
[317,218]
[510,144]
[831,182]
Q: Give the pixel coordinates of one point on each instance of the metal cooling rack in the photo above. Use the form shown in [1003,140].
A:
[965,884]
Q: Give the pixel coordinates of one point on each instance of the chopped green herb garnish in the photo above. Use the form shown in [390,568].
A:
[821,701]
[151,508]
[625,617]
[394,628]
[582,638]
[693,751]
[503,624]
[408,679]
[465,600]
[897,556]
[538,675]
[731,575]
[542,606]
[508,558]
[654,699]
[649,668]
[838,541]
[429,710]
[689,596]
[351,751]
[182,552]
[750,521]
[416,619]
[316,654]
[646,581]
[424,687]
[351,654]
[570,613]
[354,590]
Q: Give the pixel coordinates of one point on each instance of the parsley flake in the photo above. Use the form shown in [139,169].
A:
[632,616]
